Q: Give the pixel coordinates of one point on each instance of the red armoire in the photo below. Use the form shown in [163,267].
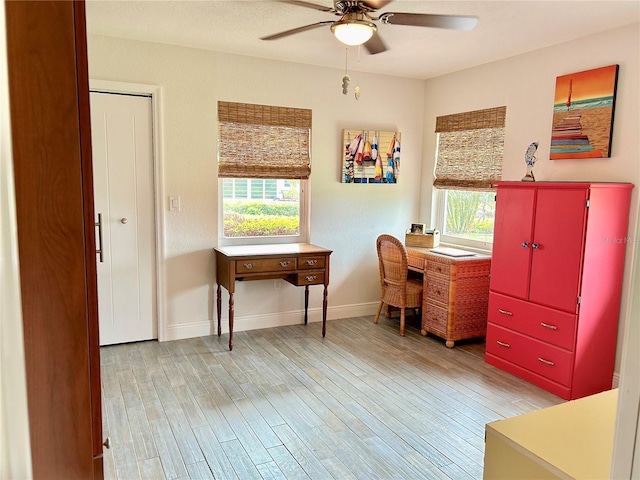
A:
[556,281]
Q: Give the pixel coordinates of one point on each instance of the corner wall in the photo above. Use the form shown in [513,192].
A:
[526,85]
[344,218]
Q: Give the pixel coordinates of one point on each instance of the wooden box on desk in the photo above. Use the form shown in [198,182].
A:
[422,240]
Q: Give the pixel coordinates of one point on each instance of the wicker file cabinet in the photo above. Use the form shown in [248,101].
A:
[456,294]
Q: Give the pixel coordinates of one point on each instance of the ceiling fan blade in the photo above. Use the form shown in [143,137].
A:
[315,6]
[375,45]
[456,22]
[286,33]
[376,4]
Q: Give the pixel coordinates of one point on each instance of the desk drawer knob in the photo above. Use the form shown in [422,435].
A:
[546,362]
[248,266]
[502,344]
[285,264]
[311,278]
[311,262]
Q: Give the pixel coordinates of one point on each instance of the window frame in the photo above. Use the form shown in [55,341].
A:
[304,227]
[439,199]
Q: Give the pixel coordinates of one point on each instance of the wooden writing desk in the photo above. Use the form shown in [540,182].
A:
[455,293]
[300,264]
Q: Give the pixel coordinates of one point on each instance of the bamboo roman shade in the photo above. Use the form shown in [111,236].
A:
[262,141]
[470,149]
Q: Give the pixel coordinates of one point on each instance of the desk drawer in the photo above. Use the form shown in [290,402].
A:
[306,278]
[437,267]
[542,358]
[437,290]
[311,263]
[266,265]
[416,262]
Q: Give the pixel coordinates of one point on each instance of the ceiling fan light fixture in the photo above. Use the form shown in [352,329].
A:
[353,31]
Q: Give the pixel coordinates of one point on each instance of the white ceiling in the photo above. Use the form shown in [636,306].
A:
[505,29]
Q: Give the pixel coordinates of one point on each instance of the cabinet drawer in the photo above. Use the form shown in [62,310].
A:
[546,360]
[439,268]
[306,278]
[437,289]
[543,323]
[266,265]
[311,263]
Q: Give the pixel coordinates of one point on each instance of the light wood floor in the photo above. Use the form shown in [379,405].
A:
[363,403]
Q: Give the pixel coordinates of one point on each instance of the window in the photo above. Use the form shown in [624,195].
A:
[264,165]
[469,159]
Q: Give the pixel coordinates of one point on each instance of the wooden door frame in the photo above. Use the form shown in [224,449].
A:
[155,91]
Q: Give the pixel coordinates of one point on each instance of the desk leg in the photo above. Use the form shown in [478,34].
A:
[306,303]
[230,321]
[219,305]
[324,312]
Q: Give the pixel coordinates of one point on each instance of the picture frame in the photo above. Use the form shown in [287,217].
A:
[583,111]
[418,228]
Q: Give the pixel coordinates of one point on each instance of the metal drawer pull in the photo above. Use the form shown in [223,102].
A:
[502,344]
[312,262]
[248,266]
[535,246]
[546,325]
[285,264]
[505,312]
[525,244]
[545,361]
[311,278]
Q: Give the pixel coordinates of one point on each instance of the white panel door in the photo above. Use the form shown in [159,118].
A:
[122,139]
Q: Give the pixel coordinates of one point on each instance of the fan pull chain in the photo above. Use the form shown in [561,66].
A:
[345,79]
[356,91]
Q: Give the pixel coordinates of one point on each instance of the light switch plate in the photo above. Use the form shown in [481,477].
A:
[174,203]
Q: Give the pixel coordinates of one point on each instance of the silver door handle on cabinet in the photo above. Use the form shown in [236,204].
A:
[546,325]
[99,250]
[547,362]
[505,312]
[502,344]
[123,221]
[535,246]
[525,244]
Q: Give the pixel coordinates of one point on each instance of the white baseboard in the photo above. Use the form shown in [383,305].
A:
[254,322]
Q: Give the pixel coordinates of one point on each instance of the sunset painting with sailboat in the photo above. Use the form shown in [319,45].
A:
[583,114]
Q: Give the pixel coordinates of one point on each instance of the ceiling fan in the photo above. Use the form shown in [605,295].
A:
[356,25]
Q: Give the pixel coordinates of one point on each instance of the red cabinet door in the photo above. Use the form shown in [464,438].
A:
[511,259]
[557,247]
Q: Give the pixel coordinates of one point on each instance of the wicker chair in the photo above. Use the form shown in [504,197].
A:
[397,290]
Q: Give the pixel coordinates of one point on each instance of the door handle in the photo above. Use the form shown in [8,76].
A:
[525,244]
[123,221]
[535,246]
[99,250]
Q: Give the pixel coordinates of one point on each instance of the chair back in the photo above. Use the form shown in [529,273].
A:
[392,260]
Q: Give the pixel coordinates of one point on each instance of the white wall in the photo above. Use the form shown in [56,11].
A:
[344,218]
[526,85]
